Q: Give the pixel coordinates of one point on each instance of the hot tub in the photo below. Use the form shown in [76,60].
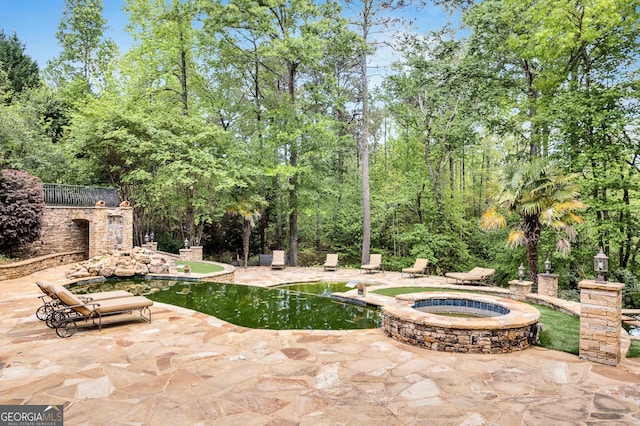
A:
[461,322]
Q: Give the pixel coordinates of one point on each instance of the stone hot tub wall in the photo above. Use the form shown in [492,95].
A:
[502,334]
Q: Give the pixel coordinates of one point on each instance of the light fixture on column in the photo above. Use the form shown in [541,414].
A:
[601,266]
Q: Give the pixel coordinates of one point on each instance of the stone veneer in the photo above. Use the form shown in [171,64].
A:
[193,253]
[520,289]
[600,321]
[548,285]
[501,334]
[29,266]
[90,229]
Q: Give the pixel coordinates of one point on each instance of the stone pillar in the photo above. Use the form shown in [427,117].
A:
[600,321]
[98,232]
[127,227]
[152,245]
[520,289]
[197,253]
[186,254]
[548,284]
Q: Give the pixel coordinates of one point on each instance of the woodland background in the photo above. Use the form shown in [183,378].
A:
[254,125]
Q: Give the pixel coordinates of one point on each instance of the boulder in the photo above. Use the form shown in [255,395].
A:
[122,272]
[83,273]
[107,272]
[159,269]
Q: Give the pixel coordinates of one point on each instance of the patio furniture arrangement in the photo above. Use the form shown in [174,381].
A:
[374,265]
[420,267]
[69,309]
[50,300]
[331,264]
[278,260]
[476,275]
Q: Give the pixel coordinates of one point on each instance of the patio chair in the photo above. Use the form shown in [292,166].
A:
[277,262]
[71,310]
[476,275]
[420,267]
[50,300]
[374,265]
[331,264]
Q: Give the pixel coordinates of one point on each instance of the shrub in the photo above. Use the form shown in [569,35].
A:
[21,209]
[631,289]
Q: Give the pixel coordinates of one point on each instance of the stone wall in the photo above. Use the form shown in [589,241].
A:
[26,267]
[220,277]
[452,340]
[89,229]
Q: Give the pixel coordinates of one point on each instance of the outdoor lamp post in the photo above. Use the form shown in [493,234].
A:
[151,236]
[146,238]
[521,272]
[547,266]
[186,243]
[600,265]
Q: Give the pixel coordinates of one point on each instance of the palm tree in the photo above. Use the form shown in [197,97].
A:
[542,197]
[249,209]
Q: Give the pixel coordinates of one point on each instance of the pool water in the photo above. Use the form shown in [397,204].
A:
[309,307]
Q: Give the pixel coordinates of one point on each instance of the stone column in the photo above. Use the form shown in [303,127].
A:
[152,245]
[186,254]
[548,284]
[98,232]
[520,289]
[600,321]
[127,227]
[197,253]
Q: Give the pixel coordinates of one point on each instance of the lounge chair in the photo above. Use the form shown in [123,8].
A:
[420,267]
[277,261]
[71,309]
[476,275]
[331,264]
[50,300]
[374,265]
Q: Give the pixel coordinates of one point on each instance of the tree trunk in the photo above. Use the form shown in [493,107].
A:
[293,180]
[532,95]
[532,234]
[246,232]
[364,146]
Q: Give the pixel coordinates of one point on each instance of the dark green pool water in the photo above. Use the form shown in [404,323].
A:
[302,306]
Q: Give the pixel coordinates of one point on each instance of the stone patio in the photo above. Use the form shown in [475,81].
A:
[190,368]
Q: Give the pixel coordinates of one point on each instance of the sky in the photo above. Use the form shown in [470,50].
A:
[36,22]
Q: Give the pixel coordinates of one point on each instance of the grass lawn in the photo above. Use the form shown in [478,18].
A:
[561,331]
[198,267]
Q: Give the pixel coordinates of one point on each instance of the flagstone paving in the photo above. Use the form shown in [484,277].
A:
[188,368]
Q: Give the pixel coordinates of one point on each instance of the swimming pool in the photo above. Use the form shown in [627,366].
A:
[254,307]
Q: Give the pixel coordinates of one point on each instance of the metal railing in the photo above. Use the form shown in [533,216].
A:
[80,196]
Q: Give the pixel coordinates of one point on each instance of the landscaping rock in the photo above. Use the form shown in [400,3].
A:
[121,272]
[138,261]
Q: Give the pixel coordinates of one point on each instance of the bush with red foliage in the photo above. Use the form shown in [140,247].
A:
[21,209]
